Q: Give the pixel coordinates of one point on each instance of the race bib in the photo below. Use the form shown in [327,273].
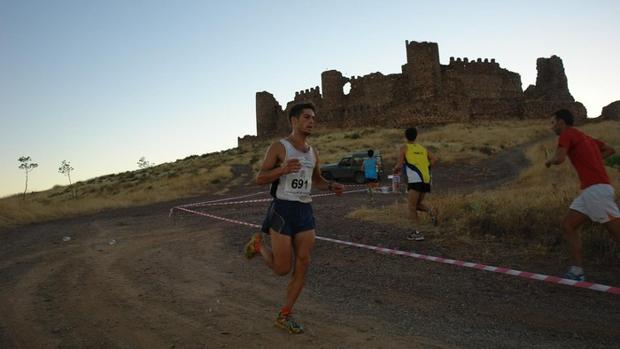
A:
[300,183]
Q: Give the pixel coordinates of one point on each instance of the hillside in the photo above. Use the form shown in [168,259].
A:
[217,172]
[132,277]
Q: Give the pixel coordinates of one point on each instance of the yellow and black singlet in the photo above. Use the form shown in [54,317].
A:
[418,165]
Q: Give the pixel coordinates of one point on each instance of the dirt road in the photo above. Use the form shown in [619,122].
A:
[131,279]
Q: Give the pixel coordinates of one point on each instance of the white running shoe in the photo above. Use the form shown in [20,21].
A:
[415,236]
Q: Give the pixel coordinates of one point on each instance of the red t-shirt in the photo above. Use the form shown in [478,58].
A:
[585,154]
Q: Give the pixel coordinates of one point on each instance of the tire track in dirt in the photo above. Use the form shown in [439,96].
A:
[468,176]
[157,286]
[187,286]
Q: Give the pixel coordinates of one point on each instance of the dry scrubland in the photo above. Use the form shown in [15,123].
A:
[529,208]
[527,211]
[452,143]
[191,176]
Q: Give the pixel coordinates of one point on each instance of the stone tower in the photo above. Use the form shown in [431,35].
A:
[423,69]
[268,112]
[332,83]
[551,82]
[552,78]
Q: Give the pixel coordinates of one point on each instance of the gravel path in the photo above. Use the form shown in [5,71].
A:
[130,278]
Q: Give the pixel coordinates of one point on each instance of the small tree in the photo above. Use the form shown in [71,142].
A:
[26,164]
[65,169]
[143,163]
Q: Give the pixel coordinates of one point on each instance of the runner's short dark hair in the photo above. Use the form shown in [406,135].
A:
[411,134]
[298,108]
[371,153]
[566,116]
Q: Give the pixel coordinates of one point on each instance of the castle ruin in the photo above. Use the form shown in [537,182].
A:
[425,93]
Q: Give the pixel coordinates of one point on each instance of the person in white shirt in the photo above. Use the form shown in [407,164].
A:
[291,166]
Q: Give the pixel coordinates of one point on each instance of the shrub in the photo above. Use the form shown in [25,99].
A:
[352,135]
[613,161]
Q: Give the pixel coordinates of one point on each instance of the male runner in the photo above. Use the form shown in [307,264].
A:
[596,200]
[291,166]
[418,162]
[370,166]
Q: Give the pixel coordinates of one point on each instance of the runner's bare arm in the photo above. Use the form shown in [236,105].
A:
[432,158]
[321,182]
[606,151]
[401,159]
[558,157]
[274,166]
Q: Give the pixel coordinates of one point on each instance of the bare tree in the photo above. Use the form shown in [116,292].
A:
[143,163]
[26,164]
[65,169]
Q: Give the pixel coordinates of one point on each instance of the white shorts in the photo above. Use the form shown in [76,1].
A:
[597,202]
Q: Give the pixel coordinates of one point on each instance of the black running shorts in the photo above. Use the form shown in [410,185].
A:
[419,187]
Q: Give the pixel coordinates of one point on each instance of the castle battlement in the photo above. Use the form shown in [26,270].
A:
[426,92]
[308,94]
[307,91]
[479,64]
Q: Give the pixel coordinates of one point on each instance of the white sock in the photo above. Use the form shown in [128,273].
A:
[576,270]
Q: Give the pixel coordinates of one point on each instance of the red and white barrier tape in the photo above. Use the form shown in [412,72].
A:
[206,203]
[222,202]
[501,270]
[478,266]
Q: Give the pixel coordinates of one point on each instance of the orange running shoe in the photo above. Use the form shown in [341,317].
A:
[288,323]
[252,248]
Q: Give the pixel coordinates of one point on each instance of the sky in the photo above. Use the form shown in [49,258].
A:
[103,83]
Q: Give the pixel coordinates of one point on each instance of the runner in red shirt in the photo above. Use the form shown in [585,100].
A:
[596,200]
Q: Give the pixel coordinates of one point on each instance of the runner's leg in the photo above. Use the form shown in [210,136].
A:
[374,184]
[278,258]
[573,221]
[413,203]
[613,227]
[432,212]
[422,207]
[304,242]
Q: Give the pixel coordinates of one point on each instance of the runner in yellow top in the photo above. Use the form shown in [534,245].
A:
[417,162]
[418,166]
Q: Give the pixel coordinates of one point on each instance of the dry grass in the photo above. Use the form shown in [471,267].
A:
[529,210]
[208,173]
[460,142]
[451,143]
[122,190]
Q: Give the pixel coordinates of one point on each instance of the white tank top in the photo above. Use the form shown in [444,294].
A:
[296,186]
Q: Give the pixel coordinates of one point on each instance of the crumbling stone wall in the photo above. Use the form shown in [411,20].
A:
[551,81]
[480,79]
[611,111]
[268,114]
[426,92]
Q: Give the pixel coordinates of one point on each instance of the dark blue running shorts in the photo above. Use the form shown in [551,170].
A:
[288,217]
